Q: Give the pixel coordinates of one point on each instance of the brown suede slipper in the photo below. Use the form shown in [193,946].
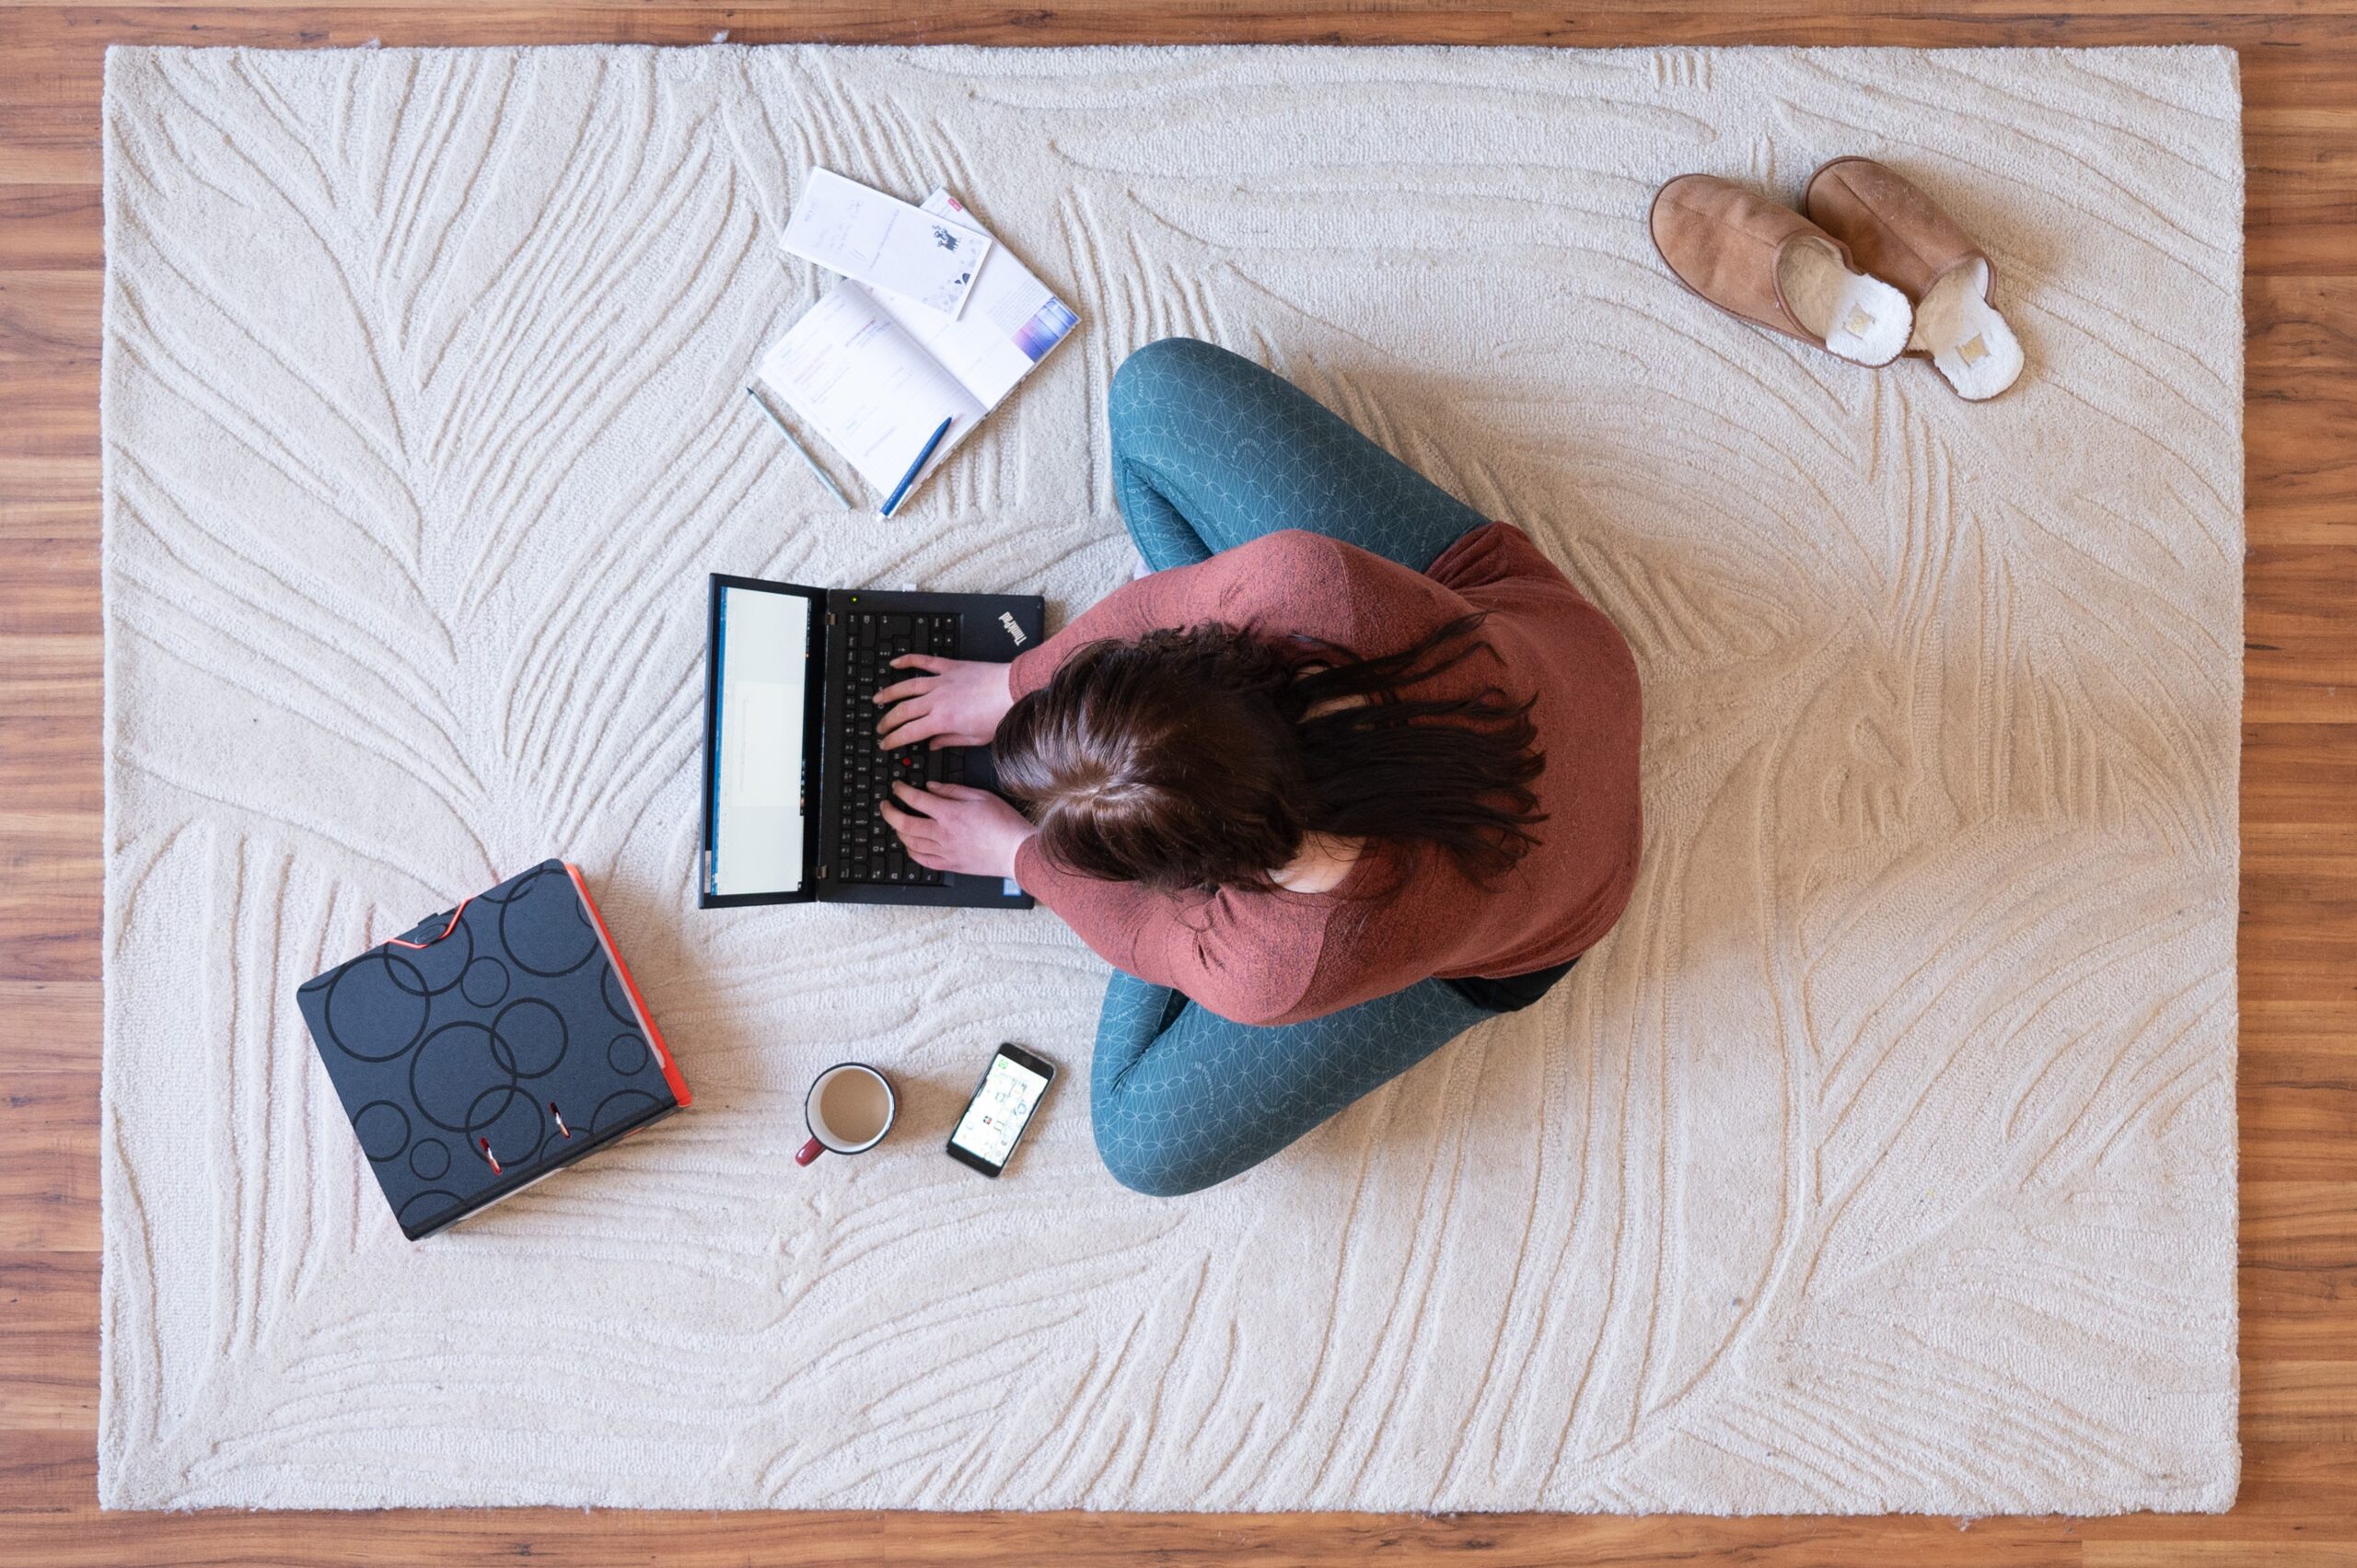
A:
[1896,232]
[1763,262]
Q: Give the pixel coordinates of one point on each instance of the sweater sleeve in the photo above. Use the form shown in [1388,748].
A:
[1194,946]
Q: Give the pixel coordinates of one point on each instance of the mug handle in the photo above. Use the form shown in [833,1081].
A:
[809,1152]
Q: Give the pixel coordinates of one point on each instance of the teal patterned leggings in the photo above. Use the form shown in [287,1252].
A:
[1210,450]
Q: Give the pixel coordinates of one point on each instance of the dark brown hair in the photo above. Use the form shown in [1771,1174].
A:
[1200,759]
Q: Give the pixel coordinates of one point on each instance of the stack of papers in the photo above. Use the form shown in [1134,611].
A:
[933,320]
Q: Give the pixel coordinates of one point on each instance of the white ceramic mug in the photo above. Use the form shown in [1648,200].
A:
[849,1108]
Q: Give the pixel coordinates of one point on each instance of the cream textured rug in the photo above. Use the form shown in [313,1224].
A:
[1881,1158]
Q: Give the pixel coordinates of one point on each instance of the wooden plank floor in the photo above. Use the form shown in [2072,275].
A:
[2299,988]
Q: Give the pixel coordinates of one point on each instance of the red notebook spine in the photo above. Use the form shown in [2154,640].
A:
[654,1036]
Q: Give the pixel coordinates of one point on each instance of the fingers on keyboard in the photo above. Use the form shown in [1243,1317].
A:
[867,849]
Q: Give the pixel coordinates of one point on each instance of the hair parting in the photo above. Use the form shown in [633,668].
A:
[1204,758]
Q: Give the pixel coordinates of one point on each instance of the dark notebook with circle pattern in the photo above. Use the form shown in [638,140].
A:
[489,1046]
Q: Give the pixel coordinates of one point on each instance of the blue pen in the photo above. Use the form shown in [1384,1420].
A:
[915,468]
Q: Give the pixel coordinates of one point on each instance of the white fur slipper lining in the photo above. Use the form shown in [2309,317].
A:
[1862,318]
[1967,338]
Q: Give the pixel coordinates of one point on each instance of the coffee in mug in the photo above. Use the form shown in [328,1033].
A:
[848,1111]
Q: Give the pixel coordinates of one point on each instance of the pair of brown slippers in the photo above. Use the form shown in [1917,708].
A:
[1876,269]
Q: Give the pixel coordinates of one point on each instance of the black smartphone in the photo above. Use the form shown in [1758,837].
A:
[1001,1108]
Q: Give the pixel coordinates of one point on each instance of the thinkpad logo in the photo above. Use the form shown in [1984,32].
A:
[1007,618]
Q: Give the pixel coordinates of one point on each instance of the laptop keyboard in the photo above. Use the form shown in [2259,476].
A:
[866,849]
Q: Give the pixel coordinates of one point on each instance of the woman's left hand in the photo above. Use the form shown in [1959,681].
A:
[970,832]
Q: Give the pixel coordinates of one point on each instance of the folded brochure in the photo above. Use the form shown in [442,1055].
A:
[882,241]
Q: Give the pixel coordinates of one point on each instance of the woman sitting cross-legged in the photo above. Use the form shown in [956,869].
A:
[1349,770]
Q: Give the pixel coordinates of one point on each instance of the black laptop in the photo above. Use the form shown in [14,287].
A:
[792,773]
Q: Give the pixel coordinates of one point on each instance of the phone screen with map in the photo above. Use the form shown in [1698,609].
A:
[1002,1107]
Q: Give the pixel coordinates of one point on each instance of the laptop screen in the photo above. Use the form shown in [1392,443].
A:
[760,727]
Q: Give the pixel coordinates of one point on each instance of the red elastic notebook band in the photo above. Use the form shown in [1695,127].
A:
[397,942]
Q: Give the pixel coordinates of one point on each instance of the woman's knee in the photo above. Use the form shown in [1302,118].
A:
[1168,370]
[1163,1149]
[1147,1167]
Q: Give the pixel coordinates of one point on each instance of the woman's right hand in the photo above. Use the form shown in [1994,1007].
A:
[955,702]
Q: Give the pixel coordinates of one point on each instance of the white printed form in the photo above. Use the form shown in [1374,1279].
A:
[874,239]
[857,378]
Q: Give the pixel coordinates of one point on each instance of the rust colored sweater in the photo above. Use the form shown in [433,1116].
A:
[1277,957]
